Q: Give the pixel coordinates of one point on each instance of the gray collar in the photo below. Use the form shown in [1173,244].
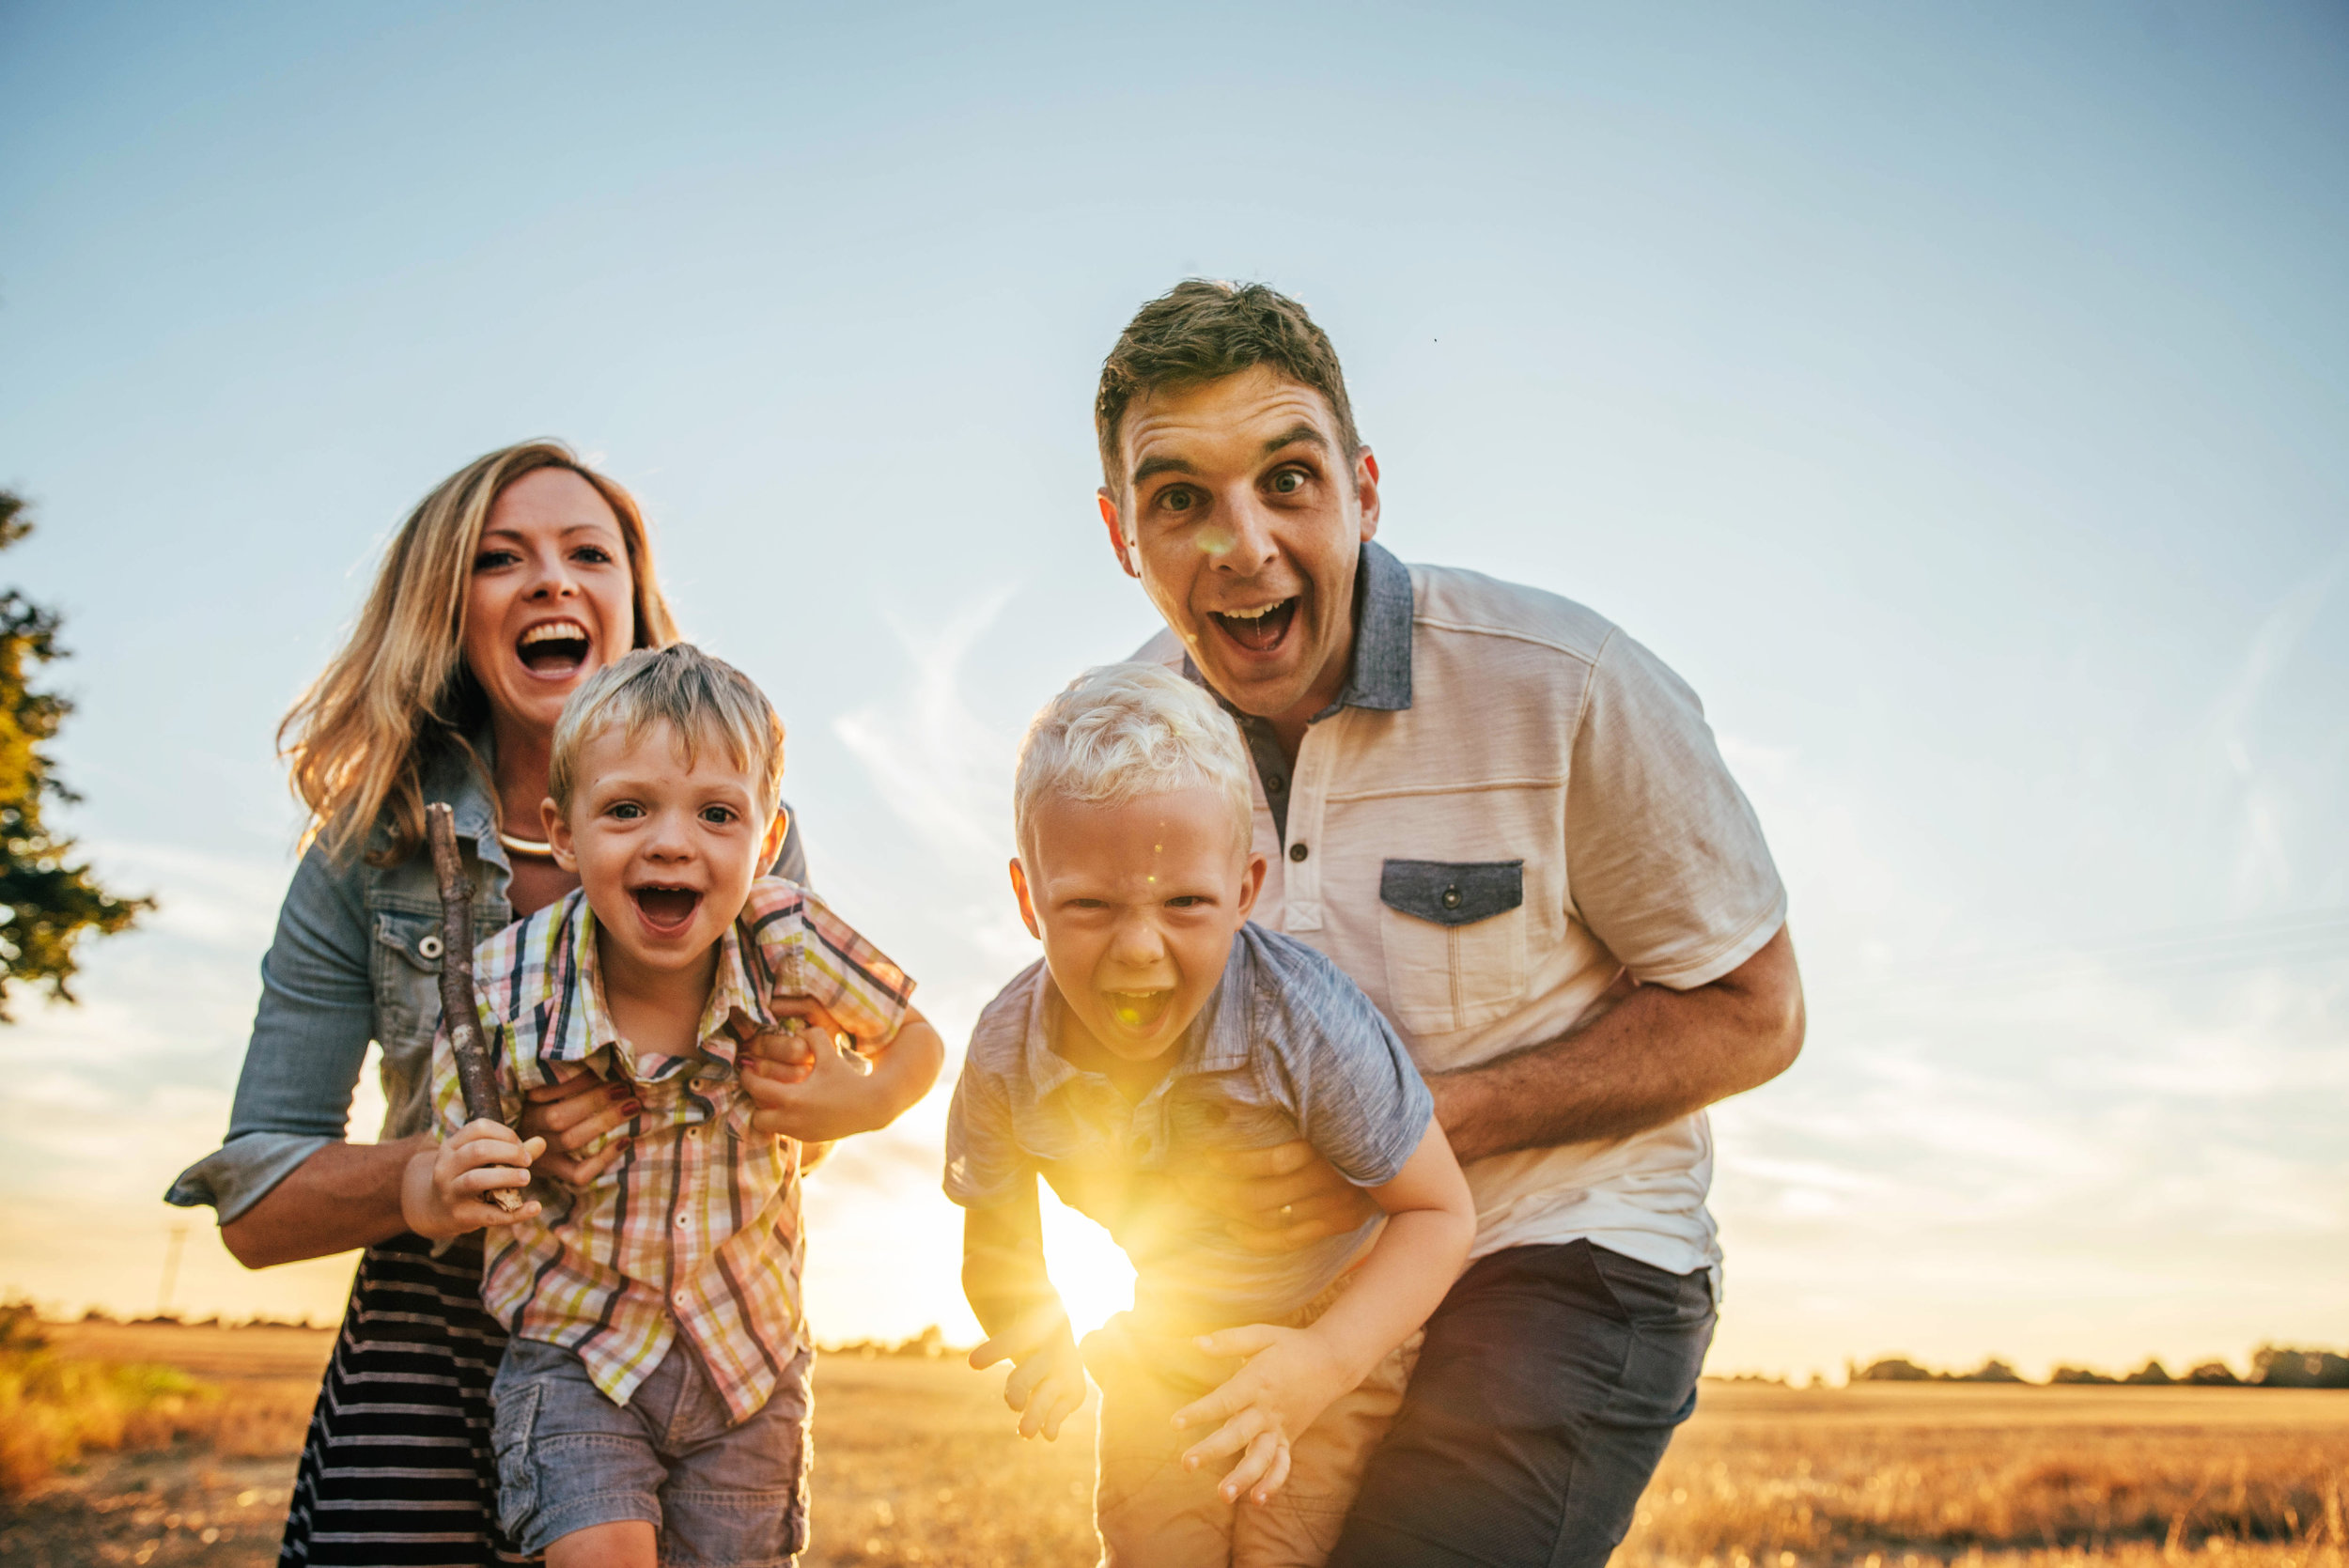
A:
[1381,677]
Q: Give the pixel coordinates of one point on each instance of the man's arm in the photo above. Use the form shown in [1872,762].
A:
[1653,1056]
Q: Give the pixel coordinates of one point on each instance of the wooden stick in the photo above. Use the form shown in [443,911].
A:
[459,1015]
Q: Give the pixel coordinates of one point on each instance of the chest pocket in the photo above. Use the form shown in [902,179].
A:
[1454,937]
[406,966]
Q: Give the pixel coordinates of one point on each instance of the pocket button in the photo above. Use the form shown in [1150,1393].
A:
[1451,898]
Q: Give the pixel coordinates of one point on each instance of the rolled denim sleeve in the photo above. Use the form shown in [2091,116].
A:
[309,1043]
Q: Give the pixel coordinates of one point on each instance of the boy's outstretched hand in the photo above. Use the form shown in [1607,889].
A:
[1291,1377]
[1047,1376]
[443,1192]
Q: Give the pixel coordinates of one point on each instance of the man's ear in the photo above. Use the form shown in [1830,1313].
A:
[1027,903]
[1117,533]
[558,831]
[771,845]
[1250,884]
[1366,488]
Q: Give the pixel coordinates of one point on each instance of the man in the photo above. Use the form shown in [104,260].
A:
[1509,823]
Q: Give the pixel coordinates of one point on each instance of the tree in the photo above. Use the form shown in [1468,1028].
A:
[46,904]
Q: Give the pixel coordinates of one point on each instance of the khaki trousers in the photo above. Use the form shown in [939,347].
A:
[1151,1513]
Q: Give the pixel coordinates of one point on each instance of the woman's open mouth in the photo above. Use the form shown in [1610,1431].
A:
[666,910]
[1138,1011]
[554,647]
[1258,631]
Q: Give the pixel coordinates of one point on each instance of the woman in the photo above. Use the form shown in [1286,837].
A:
[513,581]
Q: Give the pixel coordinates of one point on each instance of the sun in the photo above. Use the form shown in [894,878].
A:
[1093,1276]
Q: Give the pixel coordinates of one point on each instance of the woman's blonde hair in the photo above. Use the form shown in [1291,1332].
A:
[399,696]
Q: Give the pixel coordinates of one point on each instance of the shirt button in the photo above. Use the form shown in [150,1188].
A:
[1297,851]
[679,1299]
[680,1222]
[1451,898]
[1274,784]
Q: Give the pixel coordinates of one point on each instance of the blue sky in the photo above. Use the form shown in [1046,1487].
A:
[1953,396]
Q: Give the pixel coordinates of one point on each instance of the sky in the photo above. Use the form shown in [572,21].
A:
[1954,396]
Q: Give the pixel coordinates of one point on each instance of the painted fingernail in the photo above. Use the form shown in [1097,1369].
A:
[634,1107]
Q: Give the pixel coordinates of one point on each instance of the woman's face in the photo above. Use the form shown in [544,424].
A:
[552,597]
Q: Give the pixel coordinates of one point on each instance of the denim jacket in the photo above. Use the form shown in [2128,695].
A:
[356,960]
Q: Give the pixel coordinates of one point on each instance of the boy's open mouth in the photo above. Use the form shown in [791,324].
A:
[1258,631]
[666,909]
[1138,1011]
[553,647]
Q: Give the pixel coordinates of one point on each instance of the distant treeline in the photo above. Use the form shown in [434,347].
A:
[2273,1366]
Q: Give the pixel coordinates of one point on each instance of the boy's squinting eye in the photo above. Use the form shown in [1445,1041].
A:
[1187,901]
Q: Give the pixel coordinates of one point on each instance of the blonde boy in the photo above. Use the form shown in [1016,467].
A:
[653,1399]
[1159,1026]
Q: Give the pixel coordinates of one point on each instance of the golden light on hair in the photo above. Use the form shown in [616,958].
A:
[359,738]
[704,701]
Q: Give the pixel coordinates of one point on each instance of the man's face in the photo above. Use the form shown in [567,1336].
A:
[1244,520]
[1137,905]
[665,851]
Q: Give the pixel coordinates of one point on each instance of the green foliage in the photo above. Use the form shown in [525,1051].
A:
[52,1409]
[47,903]
[2276,1366]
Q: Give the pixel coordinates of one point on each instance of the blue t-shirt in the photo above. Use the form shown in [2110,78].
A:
[1286,1048]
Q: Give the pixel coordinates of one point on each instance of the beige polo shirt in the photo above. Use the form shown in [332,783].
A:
[1511,802]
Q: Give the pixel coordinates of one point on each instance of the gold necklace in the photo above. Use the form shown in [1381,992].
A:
[537,849]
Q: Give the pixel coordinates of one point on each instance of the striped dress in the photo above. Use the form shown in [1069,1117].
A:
[395,1470]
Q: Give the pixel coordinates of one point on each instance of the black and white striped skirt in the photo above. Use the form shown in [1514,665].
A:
[396,1470]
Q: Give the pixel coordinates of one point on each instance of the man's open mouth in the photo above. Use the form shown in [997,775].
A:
[1258,631]
[1138,1011]
[553,647]
[666,909]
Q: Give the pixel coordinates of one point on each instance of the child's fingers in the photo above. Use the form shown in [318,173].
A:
[1066,1399]
[1255,1467]
[1246,1339]
[532,1148]
[987,1352]
[1229,1439]
[475,1213]
[488,1178]
[1275,1478]
[1227,1399]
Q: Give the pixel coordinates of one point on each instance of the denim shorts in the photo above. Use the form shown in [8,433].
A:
[720,1496]
[1549,1384]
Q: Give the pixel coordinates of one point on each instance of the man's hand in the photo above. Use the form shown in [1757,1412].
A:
[445,1191]
[572,1112]
[1277,1200]
[1291,1377]
[1047,1377]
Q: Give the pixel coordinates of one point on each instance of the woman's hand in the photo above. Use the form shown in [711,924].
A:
[1278,1198]
[1290,1379]
[807,1086]
[568,1115]
[446,1191]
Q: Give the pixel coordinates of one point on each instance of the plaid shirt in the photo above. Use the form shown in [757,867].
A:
[695,1228]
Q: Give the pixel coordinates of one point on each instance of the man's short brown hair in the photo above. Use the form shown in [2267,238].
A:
[1202,330]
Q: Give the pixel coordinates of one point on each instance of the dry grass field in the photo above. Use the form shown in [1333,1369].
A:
[917,1463]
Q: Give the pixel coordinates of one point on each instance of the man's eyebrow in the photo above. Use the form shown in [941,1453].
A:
[1150,468]
[1300,433]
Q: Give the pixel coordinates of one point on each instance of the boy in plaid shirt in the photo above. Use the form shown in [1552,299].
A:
[659,1354]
